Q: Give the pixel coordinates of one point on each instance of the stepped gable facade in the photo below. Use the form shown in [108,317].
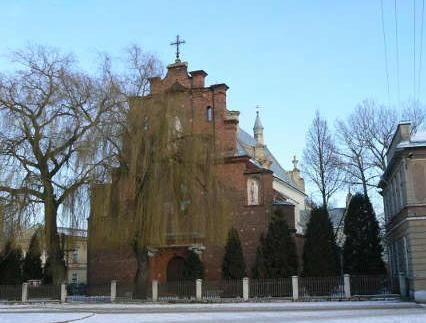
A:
[247,168]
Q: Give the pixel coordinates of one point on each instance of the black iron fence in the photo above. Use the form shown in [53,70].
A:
[329,287]
[176,290]
[271,288]
[222,289]
[10,293]
[44,292]
[374,285]
[295,288]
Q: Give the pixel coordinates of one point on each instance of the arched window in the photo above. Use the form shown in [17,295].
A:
[209,114]
[253,191]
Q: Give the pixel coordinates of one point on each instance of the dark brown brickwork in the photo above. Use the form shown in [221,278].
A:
[105,264]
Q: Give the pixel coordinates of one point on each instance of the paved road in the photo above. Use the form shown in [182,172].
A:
[247,312]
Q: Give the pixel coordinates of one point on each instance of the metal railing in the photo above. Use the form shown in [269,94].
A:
[176,290]
[222,289]
[10,293]
[44,292]
[271,287]
[374,285]
[295,288]
[328,287]
[102,289]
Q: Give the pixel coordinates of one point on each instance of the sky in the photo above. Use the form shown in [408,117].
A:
[289,57]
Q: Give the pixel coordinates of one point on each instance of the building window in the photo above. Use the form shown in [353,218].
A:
[253,191]
[402,188]
[74,278]
[397,195]
[74,256]
[209,114]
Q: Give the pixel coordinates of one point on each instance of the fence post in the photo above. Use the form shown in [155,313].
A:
[295,285]
[24,292]
[113,290]
[347,285]
[63,292]
[198,289]
[155,290]
[402,285]
[246,287]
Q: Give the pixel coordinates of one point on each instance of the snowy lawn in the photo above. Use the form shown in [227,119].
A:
[350,312]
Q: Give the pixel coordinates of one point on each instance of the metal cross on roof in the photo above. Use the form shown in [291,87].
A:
[177,43]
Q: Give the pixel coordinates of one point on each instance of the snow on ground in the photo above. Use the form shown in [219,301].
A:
[348,312]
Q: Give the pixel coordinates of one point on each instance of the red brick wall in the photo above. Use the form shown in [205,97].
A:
[250,221]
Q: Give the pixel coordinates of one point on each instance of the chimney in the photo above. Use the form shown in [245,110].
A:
[155,84]
[198,78]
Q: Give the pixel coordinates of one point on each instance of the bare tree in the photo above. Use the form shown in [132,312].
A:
[321,161]
[50,113]
[365,137]
[354,156]
[415,112]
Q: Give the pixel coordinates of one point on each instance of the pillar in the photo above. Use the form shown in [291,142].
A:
[295,285]
[246,291]
[155,290]
[63,293]
[198,289]
[113,290]
[24,292]
[402,285]
[347,285]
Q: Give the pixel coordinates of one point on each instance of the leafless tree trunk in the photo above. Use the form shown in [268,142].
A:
[321,162]
[354,153]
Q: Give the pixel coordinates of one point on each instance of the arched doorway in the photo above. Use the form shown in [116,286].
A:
[175,269]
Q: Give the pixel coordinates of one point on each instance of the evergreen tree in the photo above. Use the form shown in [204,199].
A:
[47,272]
[320,253]
[233,265]
[277,256]
[193,267]
[32,268]
[259,270]
[11,265]
[362,251]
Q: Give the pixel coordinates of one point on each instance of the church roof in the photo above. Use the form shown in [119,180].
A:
[246,140]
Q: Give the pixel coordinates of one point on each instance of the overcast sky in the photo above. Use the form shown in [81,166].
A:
[291,57]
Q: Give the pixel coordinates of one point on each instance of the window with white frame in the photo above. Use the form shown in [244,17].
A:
[74,255]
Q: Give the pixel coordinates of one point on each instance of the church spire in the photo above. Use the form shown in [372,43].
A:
[258,130]
[260,149]
[257,124]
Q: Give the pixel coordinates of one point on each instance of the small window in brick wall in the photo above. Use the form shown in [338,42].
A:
[209,114]
[253,191]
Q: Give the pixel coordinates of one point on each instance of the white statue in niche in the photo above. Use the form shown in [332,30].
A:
[253,191]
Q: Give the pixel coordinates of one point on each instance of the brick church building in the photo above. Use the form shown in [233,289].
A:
[247,168]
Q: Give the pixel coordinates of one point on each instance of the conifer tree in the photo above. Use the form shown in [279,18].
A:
[32,268]
[11,265]
[276,255]
[320,253]
[47,272]
[362,251]
[233,266]
[193,267]
[258,270]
